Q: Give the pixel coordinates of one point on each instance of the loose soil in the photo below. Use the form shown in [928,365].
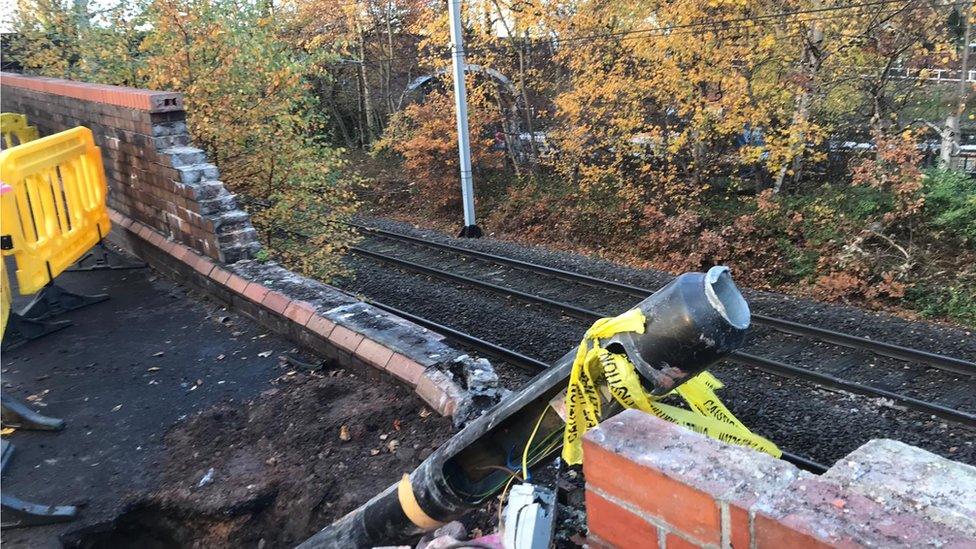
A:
[285,464]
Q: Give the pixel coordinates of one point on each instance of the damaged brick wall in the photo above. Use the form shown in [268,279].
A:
[154,174]
[650,483]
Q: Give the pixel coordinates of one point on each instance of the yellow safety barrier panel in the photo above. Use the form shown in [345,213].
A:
[6,298]
[57,209]
[15,125]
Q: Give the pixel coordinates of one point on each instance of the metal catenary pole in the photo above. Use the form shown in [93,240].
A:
[461,108]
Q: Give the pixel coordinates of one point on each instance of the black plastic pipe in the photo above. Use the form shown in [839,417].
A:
[691,323]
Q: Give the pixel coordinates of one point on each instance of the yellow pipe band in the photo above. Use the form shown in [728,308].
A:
[411,508]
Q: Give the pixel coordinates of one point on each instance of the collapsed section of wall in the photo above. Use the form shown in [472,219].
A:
[155,175]
[169,207]
[650,483]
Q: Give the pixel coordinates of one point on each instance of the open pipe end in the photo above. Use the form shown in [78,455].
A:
[725,297]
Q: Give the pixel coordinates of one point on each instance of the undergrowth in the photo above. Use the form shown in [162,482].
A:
[898,242]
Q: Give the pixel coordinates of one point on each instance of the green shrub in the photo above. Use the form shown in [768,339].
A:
[956,301]
[950,203]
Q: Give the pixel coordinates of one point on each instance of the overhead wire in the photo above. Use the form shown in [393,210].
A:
[718,25]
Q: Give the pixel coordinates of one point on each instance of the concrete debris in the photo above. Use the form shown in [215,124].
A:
[479,376]
[207,478]
[450,533]
[530,517]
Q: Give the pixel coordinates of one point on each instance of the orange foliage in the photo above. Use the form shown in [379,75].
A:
[425,136]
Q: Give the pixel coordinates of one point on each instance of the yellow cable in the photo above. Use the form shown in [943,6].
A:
[501,500]
[528,444]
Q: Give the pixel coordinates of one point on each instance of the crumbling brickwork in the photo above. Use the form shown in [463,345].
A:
[650,483]
[154,174]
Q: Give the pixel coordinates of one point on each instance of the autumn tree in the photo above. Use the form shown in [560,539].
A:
[249,103]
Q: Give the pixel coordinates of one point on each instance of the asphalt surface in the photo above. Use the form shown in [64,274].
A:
[128,370]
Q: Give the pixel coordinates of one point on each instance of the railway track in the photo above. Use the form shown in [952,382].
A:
[942,362]
[504,275]
[533,365]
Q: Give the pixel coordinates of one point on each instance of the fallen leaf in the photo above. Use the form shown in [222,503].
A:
[393,445]
[160,353]
[374,452]
[424,413]
[396,424]
[117,408]
[344,435]
[153,369]
[221,357]
[264,354]
[7,431]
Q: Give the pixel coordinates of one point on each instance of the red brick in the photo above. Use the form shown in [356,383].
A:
[169,246]
[617,526]
[770,534]
[687,509]
[374,353]
[220,275]
[431,391]
[156,239]
[320,325]
[677,542]
[439,391]
[300,312]
[144,231]
[144,100]
[181,252]
[345,339]
[255,292]
[275,301]
[739,536]
[808,512]
[202,265]
[236,284]
[405,369]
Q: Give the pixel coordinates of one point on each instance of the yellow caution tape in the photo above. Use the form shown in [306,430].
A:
[595,366]
[408,502]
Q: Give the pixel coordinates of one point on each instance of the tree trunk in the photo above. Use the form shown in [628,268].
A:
[961,100]
[523,52]
[389,62]
[949,145]
[337,116]
[369,136]
[812,59]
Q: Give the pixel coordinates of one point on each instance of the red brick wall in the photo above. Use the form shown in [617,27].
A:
[650,483]
[155,176]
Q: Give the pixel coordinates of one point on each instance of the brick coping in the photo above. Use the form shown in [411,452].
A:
[135,98]
[349,347]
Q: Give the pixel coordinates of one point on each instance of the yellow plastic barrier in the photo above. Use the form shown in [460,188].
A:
[15,125]
[57,209]
[5,298]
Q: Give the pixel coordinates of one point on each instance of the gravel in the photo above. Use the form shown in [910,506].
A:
[804,419]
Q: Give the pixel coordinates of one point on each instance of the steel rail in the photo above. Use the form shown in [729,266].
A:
[942,362]
[534,365]
[765,364]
